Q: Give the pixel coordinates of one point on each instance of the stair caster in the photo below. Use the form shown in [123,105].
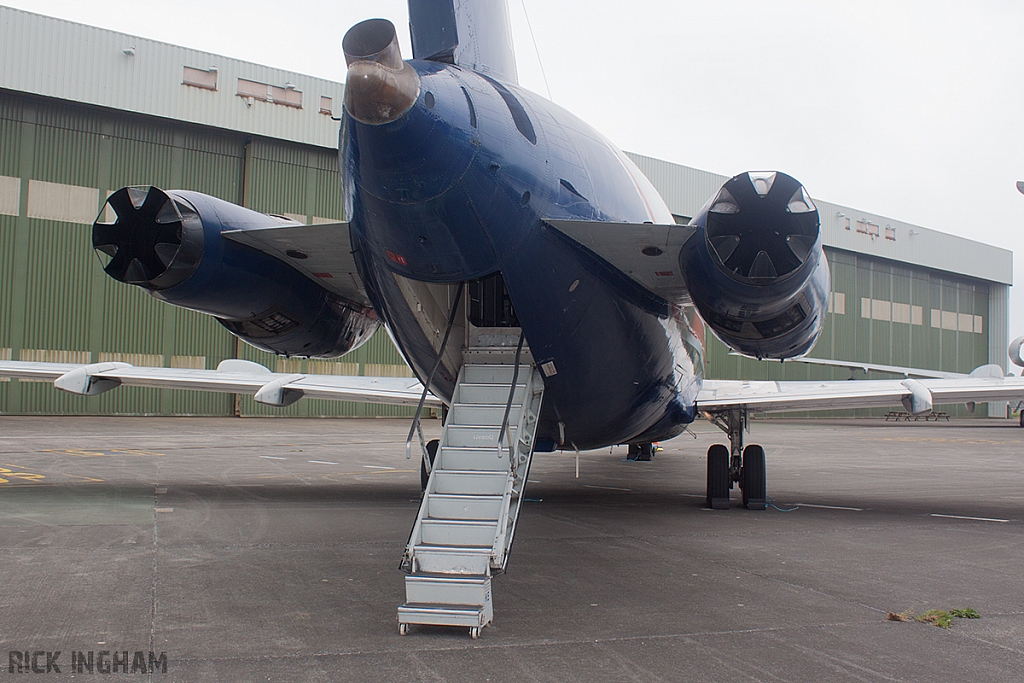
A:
[403,629]
[474,632]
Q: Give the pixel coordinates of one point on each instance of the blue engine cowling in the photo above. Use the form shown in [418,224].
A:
[170,244]
[755,268]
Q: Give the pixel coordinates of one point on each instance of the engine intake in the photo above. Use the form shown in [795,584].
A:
[755,267]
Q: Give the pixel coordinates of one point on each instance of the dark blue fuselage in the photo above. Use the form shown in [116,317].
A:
[459,188]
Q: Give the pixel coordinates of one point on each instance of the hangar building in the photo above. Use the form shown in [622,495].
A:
[85,111]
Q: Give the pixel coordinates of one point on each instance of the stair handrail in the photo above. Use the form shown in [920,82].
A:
[520,466]
[511,397]
[415,427]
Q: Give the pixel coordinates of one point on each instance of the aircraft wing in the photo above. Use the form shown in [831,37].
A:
[322,253]
[875,367]
[917,396]
[231,376]
[646,252]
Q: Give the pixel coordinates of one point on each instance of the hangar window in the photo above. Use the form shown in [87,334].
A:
[285,95]
[200,78]
[890,233]
[326,105]
[837,303]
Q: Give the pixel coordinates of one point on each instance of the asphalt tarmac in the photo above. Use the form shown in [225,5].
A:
[268,550]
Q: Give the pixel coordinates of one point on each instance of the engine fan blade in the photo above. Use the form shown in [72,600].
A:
[166,252]
[725,245]
[135,273]
[107,236]
[762,267]
[801,245]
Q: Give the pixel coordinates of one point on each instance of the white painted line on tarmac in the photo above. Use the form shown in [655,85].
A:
[163,509]
[606,488]
[323,462]
[828,507]
[973,519]
[378,467]
[273,457]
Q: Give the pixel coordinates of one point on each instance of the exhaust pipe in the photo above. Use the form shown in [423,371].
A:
[380,87]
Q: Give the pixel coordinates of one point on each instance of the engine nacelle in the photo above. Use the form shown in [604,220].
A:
[755,268]
[170,244]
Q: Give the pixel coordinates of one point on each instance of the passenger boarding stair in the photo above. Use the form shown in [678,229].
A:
[464,529]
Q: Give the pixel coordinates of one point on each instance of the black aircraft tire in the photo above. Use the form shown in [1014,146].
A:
[753,478]
[431,453]
[718,477]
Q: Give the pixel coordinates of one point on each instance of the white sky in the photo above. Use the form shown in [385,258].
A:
[909,109]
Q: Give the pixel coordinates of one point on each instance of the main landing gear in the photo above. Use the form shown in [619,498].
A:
[735,464]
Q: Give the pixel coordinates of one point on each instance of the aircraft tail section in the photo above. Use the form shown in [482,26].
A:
[474,34]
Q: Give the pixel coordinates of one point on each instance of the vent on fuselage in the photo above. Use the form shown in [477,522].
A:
[515,107]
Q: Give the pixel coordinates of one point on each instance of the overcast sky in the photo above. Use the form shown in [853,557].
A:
[912,110]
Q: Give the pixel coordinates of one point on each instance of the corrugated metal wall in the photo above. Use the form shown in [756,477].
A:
[56,303]
[69,61]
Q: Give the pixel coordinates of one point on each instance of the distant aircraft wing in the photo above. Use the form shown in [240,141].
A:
[917,396]
[321,252]
[646,252]
[231,376]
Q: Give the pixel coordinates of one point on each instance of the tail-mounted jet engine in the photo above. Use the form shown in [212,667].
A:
[170,244]
[755,268]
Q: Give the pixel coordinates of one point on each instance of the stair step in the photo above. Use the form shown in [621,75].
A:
[443,589]
[488,393]
[458,532]
[468,482]
[449,559]
[482,414]
[504,337]
[445,506]
[479,436]
[493,374]
[445,615]
[478,459]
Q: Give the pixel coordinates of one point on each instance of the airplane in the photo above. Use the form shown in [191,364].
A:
[531,276]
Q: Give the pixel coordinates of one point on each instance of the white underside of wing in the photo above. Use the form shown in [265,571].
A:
[766,396]
[238,378]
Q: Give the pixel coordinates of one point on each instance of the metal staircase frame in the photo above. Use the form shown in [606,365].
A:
[448,583]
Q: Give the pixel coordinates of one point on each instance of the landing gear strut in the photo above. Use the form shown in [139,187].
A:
[735,464]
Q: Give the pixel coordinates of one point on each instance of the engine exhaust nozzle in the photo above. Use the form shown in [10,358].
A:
[380,87]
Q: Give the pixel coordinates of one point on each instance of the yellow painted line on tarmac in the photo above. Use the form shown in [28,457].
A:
[7,474]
